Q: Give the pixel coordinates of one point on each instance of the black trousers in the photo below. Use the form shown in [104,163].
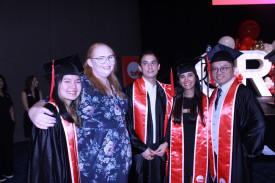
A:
[6,152]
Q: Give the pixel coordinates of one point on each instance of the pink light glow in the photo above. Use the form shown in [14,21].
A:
[241,2]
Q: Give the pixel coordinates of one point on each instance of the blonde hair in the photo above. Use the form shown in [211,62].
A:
[95,81]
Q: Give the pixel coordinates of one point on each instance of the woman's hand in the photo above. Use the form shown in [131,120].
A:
[40,116]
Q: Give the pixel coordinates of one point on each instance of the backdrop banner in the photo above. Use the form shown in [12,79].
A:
[130,70]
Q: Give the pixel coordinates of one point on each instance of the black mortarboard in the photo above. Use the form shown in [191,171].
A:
[223,53]
[270,56]
[64,66]
[188,66]
[69,65]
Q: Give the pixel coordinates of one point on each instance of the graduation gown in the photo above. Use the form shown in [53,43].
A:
[248,134]
[143,170]
[192,156]
[49,161]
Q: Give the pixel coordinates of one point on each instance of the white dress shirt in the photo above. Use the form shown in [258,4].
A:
[152,91]
[216,114]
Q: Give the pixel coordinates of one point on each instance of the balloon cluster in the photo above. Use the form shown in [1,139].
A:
[248,32]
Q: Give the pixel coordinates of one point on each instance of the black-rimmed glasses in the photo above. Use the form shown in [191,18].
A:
[221,69]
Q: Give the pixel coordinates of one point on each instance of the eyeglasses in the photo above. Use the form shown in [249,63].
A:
[221,69]
[103,59]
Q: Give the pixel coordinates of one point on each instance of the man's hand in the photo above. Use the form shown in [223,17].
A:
[40,116]
[161,150]
[148,154]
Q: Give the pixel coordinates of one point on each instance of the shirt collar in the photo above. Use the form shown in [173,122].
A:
[148,85]
[227,85]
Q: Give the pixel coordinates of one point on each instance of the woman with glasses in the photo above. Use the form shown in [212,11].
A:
[188,135]
[104,148]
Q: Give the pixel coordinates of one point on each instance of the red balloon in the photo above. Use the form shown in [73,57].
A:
[243,47]
[237,40]
[272,90]
[271,72]
[249,47]
[249,28]
[247,40]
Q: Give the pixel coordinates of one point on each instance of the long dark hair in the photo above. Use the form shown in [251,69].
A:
[5,87]
[71,117]
[28,84]
[196,103]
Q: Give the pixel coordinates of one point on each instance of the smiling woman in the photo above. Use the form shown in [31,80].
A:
[188,146]
[104,146]
[54,151]
[69,89]
[104,143]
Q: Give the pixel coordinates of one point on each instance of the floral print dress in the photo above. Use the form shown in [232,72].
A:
[103,142]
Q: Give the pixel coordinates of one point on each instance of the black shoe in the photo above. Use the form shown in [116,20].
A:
[9,176]
[2,178]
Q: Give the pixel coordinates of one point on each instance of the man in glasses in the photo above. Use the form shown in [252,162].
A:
[150,104]
[236,130]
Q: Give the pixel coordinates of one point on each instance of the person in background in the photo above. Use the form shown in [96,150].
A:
[236,121]
[103,141]
[188,141]
[150,105]
[54,151]
[29,97]
[7,121]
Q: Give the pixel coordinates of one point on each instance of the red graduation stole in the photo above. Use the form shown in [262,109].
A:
[71,140]
[225,146]
[140,108]
[200,150]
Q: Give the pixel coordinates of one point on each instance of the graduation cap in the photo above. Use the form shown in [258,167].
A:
[187,67]
[223,53]
[270,56]
[69,65]
[64,66]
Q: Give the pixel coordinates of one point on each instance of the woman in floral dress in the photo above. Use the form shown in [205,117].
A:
[104,147]
[103,141]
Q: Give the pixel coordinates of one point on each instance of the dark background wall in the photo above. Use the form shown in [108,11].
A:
[180,30]
[33,32]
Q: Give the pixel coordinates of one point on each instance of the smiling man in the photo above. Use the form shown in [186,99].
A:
[237,123]
[150,105]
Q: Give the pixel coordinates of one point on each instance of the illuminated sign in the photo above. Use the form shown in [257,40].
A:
[256,75]
[241,2]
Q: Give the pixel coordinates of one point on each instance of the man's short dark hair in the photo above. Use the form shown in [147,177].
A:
[147,52]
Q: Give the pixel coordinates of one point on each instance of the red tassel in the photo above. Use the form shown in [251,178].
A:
[209,70]
[52,83]
[172,83]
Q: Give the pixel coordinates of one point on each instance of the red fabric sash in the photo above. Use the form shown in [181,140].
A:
[140,111]
[200,167]
[200,150]
[176,167]
[71,139]
[225,147]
